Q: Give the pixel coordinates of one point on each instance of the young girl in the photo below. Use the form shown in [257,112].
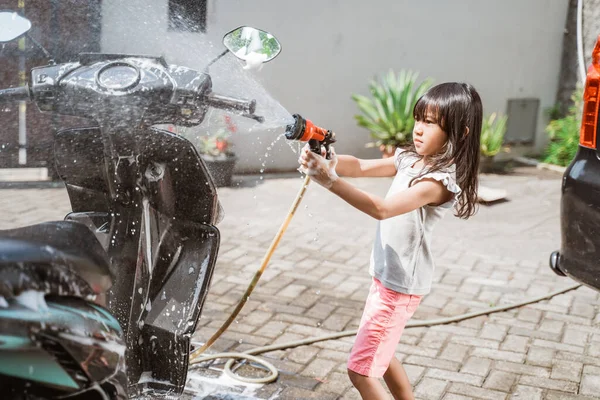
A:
[436,173]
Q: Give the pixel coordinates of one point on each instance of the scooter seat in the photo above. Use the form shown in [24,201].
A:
[60,257]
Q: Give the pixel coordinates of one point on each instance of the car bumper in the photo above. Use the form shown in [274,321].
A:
[579,257]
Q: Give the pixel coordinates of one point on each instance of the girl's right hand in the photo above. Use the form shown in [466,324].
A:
[317,167]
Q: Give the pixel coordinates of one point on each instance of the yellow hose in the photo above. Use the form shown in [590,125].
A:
[257,275]
[249,354]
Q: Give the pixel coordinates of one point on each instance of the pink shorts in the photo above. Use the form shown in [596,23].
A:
[385,315]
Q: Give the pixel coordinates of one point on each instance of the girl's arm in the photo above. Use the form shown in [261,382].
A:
[356,167]
[424,192]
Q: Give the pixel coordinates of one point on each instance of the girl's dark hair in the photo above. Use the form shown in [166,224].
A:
[456,107]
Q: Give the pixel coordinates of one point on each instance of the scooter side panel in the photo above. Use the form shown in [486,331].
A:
[174,176]
[177,301]
[79,156]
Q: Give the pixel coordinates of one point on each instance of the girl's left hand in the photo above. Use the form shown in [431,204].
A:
[317,167]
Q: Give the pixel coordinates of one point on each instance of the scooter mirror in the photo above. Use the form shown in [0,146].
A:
[12,25]
[252,45]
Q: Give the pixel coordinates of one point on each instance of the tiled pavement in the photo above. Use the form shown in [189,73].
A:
[317,281]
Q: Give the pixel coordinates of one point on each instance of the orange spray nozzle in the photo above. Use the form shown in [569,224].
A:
[304,130]
[313,132]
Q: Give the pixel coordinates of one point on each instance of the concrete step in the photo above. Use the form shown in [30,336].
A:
[24,174]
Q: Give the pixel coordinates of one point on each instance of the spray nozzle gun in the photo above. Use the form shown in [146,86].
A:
[305,131]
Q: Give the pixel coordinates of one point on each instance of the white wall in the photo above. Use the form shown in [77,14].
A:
[331,49]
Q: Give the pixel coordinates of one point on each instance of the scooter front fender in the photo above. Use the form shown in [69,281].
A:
[70,347]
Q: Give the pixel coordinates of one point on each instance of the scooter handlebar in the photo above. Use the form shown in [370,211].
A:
[231,104]
[20,93]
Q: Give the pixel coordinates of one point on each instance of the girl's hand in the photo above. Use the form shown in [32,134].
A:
[317,167]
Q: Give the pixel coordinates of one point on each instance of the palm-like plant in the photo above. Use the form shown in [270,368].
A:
[492,134]
[388,115]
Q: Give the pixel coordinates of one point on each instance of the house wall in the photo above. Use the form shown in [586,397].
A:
[507,49]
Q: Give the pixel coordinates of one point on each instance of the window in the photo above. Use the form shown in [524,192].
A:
[187,15]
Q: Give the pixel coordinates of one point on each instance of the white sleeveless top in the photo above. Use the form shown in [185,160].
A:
[401,258]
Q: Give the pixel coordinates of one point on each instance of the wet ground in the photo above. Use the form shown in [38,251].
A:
[318,279]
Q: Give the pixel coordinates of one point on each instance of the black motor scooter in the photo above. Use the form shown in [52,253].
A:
[103,304]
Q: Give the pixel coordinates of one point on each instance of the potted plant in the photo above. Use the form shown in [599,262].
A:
[492,137]
[217,152]
[388,115]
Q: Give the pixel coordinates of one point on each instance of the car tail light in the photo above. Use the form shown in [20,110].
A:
[589,120]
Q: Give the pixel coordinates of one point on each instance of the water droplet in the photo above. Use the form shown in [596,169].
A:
[241,341]
[318,292]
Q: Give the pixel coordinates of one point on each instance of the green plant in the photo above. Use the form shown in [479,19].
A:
[564,134]
[492,134]
[388,115]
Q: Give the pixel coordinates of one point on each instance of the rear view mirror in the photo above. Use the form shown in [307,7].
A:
[12,25]
[252,45]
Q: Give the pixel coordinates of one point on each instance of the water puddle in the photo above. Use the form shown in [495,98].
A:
[204,384]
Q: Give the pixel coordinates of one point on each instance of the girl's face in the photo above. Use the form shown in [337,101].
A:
[428,136]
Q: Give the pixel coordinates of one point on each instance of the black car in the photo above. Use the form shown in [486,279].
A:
[579,256]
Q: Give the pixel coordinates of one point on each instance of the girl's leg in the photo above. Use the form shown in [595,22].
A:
[397,381]
[384,317]
[369,388]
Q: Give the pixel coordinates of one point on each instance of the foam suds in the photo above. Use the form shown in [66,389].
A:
[32,299]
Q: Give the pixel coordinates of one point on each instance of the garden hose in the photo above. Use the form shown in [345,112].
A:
[196,358]
[250,354]
[302,130]
[257,275]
